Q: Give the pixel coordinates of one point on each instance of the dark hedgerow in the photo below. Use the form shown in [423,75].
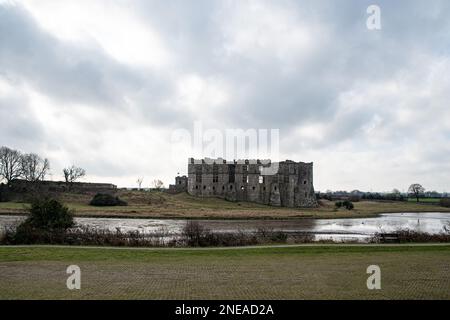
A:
[49,214]
[346,204]
[48,219]
[4,193]
[106,200]
[444,202]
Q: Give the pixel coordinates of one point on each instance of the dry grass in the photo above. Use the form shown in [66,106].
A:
[277,273]
[162,205]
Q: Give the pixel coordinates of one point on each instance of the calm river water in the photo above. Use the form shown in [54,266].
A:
[335,229]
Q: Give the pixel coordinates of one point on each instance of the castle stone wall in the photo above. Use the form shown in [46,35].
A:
[181,185]
[250,180]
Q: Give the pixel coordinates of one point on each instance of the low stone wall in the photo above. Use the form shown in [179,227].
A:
[22,186]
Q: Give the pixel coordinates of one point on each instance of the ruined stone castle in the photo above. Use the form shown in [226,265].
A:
[286,183]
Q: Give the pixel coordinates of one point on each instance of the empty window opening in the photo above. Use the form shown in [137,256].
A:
[198,176]
[231,172]
[215,173]
[253,188]
[244,174]
[261,179]
[204,187]
[304,181]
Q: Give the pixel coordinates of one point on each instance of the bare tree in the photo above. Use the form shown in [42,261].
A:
[416,189]
[33,167]
[73,173]
[10,164]
[157,184]
[139,182]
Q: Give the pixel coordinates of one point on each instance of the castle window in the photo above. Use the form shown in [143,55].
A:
[214,188]
[215,173]
[231,187]
[242,187]
[179,182]
[275,188]
[253,188]
[223,187]
[306,194]
[264,188]
[204,187]
[196,187]
[198,177]
[245,174]
[248,179]
[231,171]
[304,181]
[261,179]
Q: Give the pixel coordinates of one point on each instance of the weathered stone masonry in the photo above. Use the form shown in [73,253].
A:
[247,180]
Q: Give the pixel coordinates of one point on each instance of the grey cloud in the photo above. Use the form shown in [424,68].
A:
[265,90]
[61,70]
[17,124]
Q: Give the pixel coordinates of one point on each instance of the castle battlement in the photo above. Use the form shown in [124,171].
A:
[223,161]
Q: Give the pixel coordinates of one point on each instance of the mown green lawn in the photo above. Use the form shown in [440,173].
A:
[306,272]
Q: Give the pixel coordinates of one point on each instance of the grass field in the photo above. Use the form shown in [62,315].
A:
[162,205]
[425,200]
[306,272]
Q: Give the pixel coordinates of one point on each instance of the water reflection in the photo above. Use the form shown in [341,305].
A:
[336,229]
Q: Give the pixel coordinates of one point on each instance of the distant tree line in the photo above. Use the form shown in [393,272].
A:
[15,165]
[415,190]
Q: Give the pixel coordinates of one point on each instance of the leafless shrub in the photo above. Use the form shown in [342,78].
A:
[269,235]
[82,235]
[303,238]
[406,235]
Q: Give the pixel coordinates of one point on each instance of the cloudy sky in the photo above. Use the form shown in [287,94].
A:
[104,84]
